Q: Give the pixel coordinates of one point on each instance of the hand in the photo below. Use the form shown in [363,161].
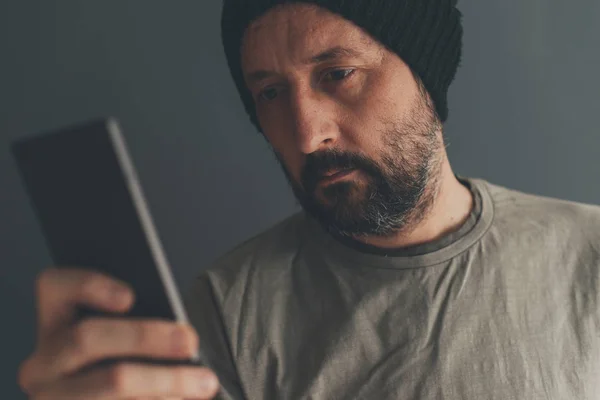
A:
[57,367]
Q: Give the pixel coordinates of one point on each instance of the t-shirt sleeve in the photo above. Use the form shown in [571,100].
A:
[215,352]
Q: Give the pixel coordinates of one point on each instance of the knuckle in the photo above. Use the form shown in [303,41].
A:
[143,335]
[118,379]
[176,380]
[83,336]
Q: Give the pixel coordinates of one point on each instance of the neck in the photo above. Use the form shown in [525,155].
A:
[451,206]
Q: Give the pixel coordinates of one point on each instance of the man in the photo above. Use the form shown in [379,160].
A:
[398,280]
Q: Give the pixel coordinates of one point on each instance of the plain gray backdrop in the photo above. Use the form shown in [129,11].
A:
[523,114]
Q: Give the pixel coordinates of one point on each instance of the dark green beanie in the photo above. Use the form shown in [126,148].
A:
[425,34]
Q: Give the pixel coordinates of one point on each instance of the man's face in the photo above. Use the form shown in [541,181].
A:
[354,131]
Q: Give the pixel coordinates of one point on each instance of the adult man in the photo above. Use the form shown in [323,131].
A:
[398,281]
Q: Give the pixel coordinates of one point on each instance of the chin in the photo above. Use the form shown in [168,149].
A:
[340,195]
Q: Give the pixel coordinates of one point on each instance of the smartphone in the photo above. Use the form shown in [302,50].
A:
[89,202]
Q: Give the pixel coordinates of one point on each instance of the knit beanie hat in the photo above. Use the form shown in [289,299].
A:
[425,34]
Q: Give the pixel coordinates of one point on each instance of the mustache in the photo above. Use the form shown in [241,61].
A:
[319,163]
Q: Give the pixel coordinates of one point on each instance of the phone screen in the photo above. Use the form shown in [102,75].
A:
[93,214]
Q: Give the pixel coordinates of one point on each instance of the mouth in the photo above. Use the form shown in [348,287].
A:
[334,175]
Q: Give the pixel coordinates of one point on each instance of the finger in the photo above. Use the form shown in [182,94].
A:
[157,398]
[96,339]
[124,381]
[59,291]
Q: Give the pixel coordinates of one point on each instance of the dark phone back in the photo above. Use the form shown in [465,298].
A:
[88,201]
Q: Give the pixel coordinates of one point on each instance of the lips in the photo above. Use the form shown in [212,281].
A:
[334,175]
[334,172]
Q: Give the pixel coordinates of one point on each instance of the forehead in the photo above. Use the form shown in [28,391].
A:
[298,31]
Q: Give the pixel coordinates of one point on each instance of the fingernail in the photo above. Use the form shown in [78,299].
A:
[207,384]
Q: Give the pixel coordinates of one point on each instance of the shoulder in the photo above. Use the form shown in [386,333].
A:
[269,252]
[218,295]
[518,210]
[509,201]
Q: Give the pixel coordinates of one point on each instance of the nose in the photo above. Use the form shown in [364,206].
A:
[314,121]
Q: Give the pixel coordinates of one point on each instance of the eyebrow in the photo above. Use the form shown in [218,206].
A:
[330,54]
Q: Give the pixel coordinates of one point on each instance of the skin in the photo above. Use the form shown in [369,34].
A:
[57,367]
[307,106]
[359,115]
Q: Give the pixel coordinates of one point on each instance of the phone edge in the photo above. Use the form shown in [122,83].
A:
[141,206]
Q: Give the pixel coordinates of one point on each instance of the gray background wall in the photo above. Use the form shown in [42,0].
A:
[523,114]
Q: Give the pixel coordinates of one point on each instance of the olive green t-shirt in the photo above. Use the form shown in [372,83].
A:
[506,307]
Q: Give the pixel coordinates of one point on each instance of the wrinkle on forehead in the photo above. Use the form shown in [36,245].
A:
[303,29]
[282,15]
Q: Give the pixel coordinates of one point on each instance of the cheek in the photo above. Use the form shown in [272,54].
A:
[363,125]
[282,141]
[382,105]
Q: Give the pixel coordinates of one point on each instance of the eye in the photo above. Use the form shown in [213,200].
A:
[268,94]
[339,74]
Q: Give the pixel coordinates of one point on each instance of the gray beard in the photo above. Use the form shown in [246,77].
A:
[396,196]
